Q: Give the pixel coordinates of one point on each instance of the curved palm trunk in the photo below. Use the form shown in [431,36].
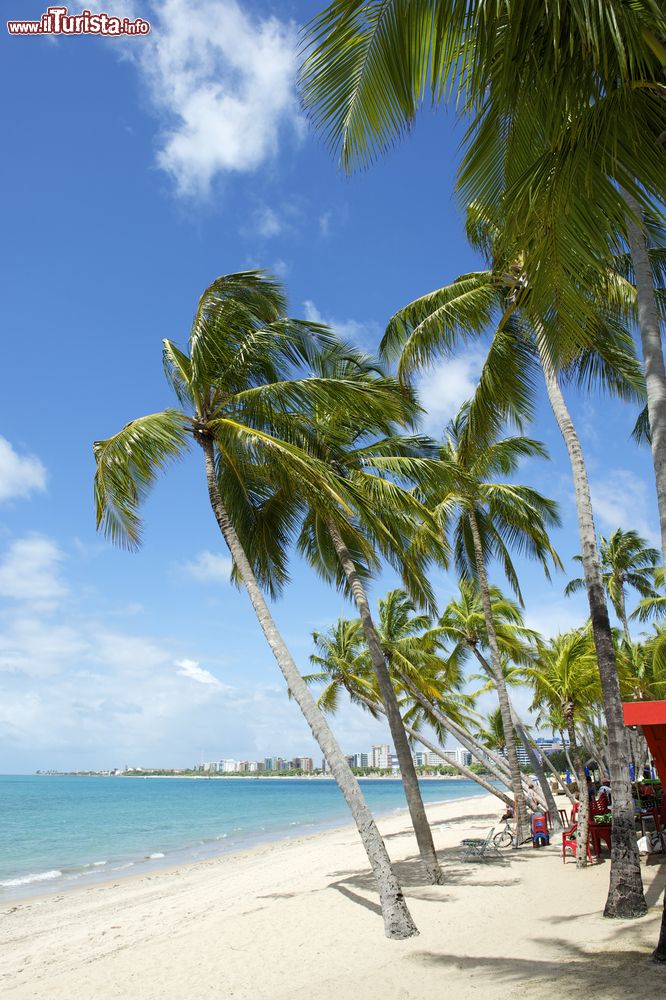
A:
[398,922]
[583,798]
[499,761]
[500,685]
[653,354]
[545,795]
[481,753]
[410,779]
[441,752]
[553,770]
[625,894]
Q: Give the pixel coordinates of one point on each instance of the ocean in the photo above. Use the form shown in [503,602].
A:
[57,832]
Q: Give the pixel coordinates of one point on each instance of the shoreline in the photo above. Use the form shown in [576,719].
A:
[57,876]
[235,854]
[253,777]
[298,920]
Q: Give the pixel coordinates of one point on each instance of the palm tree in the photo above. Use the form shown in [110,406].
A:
[492,733]
[654,606]
[342,544]
[238,399]
[486,516]
[626,560]
[463,623]
[343,664]
[506,390]
[566,679]
[643,667]
[567,92]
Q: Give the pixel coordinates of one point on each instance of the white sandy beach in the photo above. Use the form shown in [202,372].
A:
[298,920]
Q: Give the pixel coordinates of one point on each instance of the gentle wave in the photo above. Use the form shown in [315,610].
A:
[158,854]
[27,879]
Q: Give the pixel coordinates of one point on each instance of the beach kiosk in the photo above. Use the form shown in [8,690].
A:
[651,717]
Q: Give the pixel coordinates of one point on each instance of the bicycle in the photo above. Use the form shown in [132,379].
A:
[506,837]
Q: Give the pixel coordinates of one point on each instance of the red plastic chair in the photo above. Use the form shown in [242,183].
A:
[569,840]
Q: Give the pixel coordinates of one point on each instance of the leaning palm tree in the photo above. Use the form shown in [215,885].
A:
[626,560]
[565,678]
[239,398]
[385,518]
[343,664]
[463,624]
[486,517]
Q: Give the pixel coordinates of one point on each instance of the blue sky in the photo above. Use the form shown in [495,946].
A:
[135,171]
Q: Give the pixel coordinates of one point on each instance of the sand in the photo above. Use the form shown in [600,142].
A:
[298,920]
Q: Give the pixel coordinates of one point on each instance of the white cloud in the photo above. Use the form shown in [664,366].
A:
[29,570]
[623,500]
[191,669]
[446,386]
[209,567]
[325,224]
[31,645]
[20,475]
[223,81]
[364,334]
[267,222]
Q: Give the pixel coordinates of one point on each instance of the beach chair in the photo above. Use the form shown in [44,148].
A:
[569,841]
[477,849]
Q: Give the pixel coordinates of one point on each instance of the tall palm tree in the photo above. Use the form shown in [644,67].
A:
[486,516]
[572,93]
[501,295]
[383,518]
[238,401]
[569,92]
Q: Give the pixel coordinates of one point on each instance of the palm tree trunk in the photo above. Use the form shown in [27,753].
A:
[398,922]
[623,614]
[498,678]
[451,761]
[553,770]
[653,354]
[546,796]
[535,760]
[583,819]
[565,747]
[659,954]
[410,779]
[625,894]
[481,753]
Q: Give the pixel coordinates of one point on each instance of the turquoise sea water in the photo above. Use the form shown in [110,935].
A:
[58,832]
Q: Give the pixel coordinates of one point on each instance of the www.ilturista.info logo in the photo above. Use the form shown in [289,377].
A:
[57,21]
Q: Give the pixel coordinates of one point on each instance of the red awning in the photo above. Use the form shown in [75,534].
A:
[651,716]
